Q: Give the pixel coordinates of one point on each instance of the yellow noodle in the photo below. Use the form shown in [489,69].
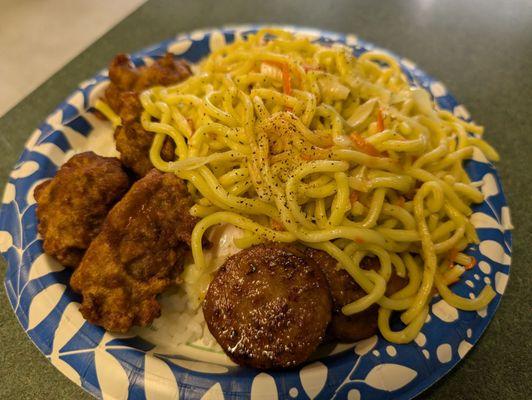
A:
[315,158]
[108,113]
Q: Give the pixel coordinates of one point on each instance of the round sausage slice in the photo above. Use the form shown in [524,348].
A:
[268,307]
[345,290]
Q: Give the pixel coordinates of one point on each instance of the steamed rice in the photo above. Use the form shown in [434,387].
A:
[181,321]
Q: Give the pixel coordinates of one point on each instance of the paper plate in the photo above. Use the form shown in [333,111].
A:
[114,367]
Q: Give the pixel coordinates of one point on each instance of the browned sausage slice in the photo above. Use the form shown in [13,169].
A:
[268,307]
[345,290]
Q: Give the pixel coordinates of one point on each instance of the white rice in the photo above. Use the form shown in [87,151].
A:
[182,322]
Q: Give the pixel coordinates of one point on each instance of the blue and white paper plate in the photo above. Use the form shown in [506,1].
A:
[119,367]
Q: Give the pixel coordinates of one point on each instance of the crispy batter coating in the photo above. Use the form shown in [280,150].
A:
[268,306]
[72,206]
[132,141]
[137,255]
[345,290]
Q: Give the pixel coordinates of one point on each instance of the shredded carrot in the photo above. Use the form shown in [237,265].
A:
[380,120]
[363,145]
[452,256]
[401,201]
[353,196]
[287,79]
[471,264]
[359,241]
[309,157]
[316,153]
[277,225]
[309,67]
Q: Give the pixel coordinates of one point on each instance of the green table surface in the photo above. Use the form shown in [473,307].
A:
[482,50]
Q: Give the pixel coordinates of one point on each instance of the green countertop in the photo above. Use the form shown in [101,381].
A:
[482,50]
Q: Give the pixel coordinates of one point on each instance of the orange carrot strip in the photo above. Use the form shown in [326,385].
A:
[401,201]
[277,225]
[452,256]
[363,145]
[307,157]
[471,264]
[287,79]
[309,67]
[353,197]
[380,120]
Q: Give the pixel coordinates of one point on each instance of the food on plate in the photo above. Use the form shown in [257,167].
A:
[342,183]
[127,81]
[133,142]
[298,141]
[71,207]
[138,254]
[268,306]
[126,78]
[344,290]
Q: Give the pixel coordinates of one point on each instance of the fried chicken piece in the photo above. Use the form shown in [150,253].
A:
[72,206]
[133,143]
[268,306]
[126,78]
[345,290]
[138,254]
[122,95]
